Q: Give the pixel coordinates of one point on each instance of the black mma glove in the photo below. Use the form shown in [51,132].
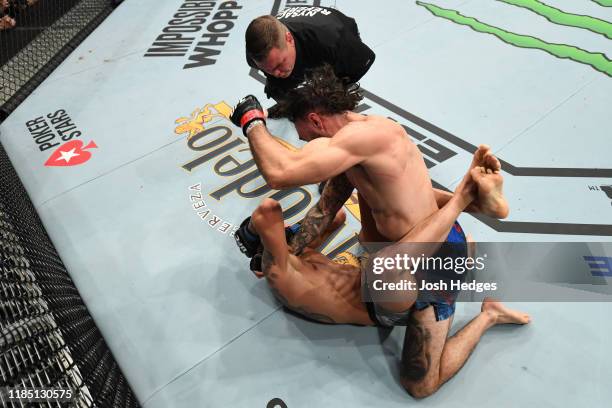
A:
[255,264]
[246,112]
[247,242]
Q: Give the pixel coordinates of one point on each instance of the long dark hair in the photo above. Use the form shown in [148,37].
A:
[321,92]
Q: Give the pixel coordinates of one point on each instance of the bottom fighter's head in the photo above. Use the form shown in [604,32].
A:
[315,105]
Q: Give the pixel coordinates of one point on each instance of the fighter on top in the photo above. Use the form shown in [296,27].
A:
[301,38]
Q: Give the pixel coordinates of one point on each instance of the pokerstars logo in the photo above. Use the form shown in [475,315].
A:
[70,154]
[49,131]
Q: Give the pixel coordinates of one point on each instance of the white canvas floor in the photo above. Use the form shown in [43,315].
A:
[184,317]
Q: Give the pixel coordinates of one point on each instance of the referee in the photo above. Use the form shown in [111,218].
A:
[301,38]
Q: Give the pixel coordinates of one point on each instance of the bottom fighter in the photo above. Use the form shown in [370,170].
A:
[331,292]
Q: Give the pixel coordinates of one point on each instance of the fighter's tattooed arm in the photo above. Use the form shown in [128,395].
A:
[319,217]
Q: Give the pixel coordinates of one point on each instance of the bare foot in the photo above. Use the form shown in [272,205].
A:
[479,154]
[503,315]
[484,157]
[491,163]
[491,199]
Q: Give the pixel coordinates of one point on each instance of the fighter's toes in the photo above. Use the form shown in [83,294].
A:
[492,162]
[503,314]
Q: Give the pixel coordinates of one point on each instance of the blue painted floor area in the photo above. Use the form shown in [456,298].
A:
[143,207]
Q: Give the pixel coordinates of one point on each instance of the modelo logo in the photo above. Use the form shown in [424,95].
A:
[230,154]
[49,131]
[178,37]
[210,135]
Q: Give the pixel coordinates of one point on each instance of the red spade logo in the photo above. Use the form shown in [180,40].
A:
[70,153]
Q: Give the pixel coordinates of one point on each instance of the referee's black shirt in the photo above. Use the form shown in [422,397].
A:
[322,35]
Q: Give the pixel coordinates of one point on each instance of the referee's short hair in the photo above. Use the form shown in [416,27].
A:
[263,34]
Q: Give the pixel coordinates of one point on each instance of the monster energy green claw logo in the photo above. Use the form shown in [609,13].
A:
[605,3]
[557,16]
[597,60]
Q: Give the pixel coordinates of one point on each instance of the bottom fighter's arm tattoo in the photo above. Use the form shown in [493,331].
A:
[320,216]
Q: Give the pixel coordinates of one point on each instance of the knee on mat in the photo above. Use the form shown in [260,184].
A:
[421,389]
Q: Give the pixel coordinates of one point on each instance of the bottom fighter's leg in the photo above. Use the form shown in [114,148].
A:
[423,240]
[491,200]
[429,358]
[486,172]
